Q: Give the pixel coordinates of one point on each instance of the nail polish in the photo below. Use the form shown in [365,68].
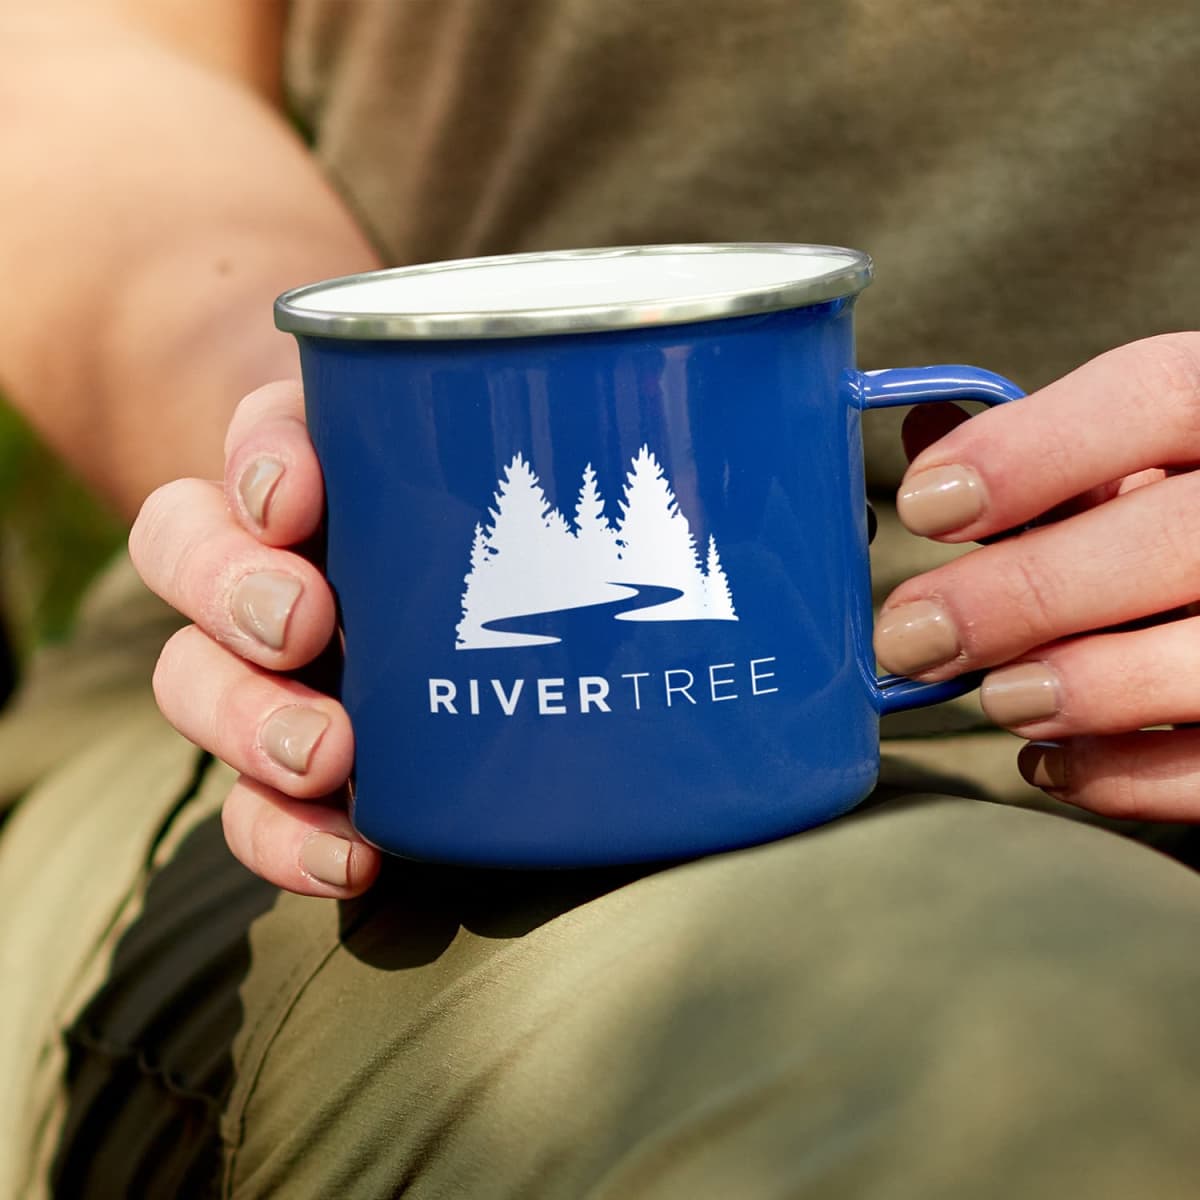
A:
[940,500]
[257,485]
[1044,765]
[1021,694]
[326,857]
[290,735]
[915,637]
[262,603]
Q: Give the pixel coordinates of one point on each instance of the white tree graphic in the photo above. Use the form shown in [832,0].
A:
[597,538]
[719,606]
[530,560]
[479,550]
[519,545]
[657,545]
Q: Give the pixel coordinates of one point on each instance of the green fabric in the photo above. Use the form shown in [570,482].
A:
[933,998]
[1025,174]
[79,692]
[54,536]
[939,998]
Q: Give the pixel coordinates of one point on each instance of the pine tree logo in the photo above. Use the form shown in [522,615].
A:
[530,560]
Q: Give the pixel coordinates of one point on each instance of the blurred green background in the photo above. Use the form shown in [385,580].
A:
[53,537]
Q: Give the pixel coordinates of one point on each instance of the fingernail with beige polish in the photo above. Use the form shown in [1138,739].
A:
[262,603]
[1044,765]
[290,735]
[915,637]
[326,857]
[257,485]
[1021,694]
[940,500]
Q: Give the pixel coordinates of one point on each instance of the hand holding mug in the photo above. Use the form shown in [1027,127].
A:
[224,554]
[1086,619]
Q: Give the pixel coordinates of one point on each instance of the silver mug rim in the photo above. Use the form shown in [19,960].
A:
[292,316]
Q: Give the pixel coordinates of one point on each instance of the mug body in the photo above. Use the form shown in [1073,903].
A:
[604,593]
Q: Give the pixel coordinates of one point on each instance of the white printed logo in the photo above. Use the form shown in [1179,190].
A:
[531,561]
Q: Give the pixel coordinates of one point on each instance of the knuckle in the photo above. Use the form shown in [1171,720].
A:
[1167,371]
[172,664]
[151,527]
[279,397]
[246,819]
[1031,599]
[1170,544]
[161,541]
[238,824]
[1175,539]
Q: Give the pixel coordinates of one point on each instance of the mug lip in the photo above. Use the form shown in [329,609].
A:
[292,315]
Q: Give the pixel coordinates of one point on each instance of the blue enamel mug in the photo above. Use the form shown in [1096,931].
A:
[597,529]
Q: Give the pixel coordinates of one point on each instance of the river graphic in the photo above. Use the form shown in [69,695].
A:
[585,622]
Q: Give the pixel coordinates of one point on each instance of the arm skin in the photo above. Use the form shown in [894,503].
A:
[156,201]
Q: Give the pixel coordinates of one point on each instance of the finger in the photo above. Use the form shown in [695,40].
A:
[266,726]
[301,846]
[1128,410]
[1103,684]
[1134,556]
[1152,776]
[926,423]
[272,480]
[268,605]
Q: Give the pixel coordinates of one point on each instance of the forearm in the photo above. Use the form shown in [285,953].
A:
[156,206]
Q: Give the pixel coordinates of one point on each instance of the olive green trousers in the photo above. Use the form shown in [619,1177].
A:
[934,997]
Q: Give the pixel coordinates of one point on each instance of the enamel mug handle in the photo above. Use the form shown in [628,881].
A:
[923,385]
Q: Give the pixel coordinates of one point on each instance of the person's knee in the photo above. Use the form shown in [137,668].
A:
[817,1008]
